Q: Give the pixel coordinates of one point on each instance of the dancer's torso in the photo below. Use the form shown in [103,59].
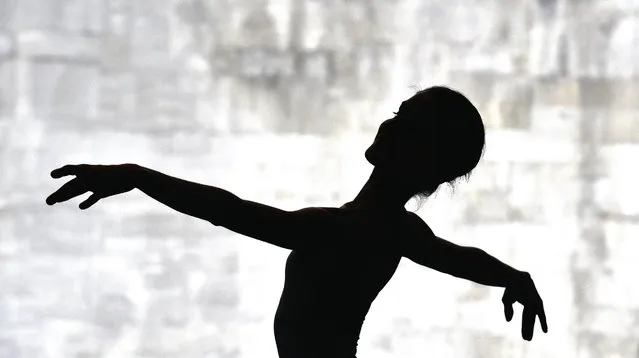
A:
[329,288]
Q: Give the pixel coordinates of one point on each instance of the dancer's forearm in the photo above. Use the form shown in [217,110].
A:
[476,265]
[198,200]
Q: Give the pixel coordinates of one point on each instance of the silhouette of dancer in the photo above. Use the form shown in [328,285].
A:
[343,257]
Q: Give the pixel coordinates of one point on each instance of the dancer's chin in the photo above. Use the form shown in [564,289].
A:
[371,157]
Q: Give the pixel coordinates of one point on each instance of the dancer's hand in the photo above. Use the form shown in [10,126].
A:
[523,290]
[102,180]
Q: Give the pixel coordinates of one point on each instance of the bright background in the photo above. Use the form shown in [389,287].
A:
[276,101]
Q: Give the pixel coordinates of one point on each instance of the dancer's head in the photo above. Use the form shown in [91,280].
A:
[437,136]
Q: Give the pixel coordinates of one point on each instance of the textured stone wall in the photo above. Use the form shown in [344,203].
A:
[276,101]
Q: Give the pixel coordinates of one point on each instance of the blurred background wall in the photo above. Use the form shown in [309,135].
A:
[276,101]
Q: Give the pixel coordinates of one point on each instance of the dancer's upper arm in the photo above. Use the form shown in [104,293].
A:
[423,247]
[287,229]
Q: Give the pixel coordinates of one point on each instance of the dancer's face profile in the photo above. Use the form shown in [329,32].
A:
[436,136]
[401,142]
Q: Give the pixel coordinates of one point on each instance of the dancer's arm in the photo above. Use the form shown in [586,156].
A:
[425,248]
[286,229]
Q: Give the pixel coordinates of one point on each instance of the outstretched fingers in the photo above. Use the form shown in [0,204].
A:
[69,190]
[533,308]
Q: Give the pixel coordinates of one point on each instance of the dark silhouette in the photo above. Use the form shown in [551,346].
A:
[343,257]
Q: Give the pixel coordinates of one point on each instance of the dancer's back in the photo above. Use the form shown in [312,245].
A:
[327,292]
